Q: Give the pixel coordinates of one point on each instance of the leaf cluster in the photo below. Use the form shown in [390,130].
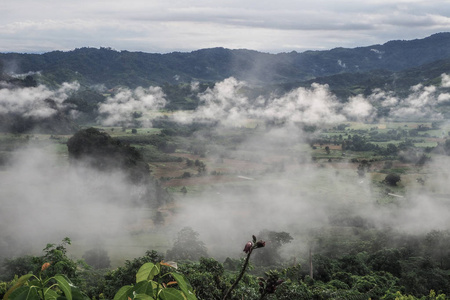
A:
[151,284]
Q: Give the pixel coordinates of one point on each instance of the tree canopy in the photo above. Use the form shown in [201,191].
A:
[187,246]
[103,152]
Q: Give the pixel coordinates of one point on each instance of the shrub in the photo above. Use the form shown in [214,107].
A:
[392,179]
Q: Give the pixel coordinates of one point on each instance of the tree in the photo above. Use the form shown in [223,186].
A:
[387,260]
[97,258]
[391,149]
[269,255]
[29,81]
[392,179]
[100,151]
[187,246]
[363,167]
[207,278]
[437,244]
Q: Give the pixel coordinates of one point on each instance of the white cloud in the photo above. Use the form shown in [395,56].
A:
[445,80]
[315,105]
[387,99]
[30,101]
[225,103]
[443,98]
[359,108]
[119,108]
[420,103]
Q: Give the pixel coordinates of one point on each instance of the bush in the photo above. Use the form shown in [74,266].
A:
[392,179]
[187,246]
[97,258]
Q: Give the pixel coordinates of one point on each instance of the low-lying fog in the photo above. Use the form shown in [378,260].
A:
[44,199]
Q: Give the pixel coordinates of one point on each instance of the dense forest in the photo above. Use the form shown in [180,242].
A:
[401,63]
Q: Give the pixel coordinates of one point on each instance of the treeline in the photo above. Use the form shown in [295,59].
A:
[118,68]
[100,151]
[388,266]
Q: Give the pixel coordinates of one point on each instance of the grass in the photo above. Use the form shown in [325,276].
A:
[425,144]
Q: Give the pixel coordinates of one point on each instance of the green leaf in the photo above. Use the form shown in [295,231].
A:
[18,284]
[147,272]
[25,293]
[143,297]
[50,294]
[144,287]
[77,294]
[64,285]
[171,294]
[184,286]
[123,293]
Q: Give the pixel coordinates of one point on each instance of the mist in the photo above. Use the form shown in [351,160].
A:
[45,198]
[303,196]
[315,105]
[119,108]
[307,198]
[31,101]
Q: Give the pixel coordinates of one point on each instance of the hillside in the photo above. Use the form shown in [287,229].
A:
[350,84]
[112,68]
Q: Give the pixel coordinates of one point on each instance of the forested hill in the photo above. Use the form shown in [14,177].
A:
[112,68]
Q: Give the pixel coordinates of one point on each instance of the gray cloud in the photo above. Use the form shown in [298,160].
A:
[183,26]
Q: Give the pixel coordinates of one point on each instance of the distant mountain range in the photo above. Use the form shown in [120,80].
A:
[342,68]
[394,66]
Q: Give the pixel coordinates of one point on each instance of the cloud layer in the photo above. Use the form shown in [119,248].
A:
[79,202]
[315,105]
[155,26]
[119,108]
[30,102]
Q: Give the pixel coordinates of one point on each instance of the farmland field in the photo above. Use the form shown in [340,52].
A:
[236,171]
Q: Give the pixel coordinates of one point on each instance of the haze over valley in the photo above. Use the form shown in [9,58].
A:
[332,153]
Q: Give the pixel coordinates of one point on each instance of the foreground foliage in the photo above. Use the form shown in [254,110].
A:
[32,287]
[152,284]
[417,270]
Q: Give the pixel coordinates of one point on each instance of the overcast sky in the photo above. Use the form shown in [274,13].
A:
[174,25]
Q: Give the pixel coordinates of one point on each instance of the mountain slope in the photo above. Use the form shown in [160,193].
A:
[112,68]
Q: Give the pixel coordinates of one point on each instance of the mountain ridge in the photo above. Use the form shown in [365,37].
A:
[113,68]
